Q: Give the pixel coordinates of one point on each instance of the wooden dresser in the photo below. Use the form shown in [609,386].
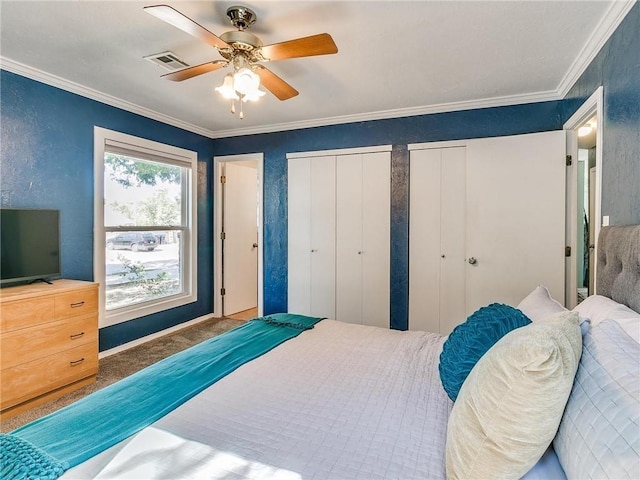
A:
[48,342]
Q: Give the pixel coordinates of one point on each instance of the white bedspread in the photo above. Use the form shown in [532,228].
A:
[340,401]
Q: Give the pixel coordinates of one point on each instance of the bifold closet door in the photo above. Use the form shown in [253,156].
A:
[437,239]
[486,224]
[363,238]
[516,190]
[311,236]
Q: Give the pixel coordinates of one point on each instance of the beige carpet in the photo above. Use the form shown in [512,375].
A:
[120,365]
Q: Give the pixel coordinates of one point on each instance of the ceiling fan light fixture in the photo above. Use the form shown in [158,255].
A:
[245,81]
[253,96]
[226,89]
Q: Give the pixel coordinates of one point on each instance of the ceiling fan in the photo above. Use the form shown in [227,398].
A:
[244,52]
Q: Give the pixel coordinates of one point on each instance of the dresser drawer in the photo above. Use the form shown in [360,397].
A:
[28,344]
[28,380]
[24,313]
[75,303]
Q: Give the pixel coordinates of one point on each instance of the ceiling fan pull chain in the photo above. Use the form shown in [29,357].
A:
[241,112]
[233,106]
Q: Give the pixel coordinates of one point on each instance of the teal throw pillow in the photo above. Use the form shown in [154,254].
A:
[470,340]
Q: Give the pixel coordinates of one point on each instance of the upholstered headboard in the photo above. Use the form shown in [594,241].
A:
[619,264]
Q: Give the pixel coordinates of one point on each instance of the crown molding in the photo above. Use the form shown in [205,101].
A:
[607,25]
[605,28]
[73,87]
[395,113]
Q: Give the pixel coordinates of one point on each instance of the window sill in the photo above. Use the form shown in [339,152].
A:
[144,309]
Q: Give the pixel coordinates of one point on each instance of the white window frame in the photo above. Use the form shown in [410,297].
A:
[160,152]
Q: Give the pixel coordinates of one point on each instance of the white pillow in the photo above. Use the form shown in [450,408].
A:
[539,304]
[599,435]
[510,405]
[598,308]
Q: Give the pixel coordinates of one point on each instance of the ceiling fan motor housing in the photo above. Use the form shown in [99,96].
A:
[241,40]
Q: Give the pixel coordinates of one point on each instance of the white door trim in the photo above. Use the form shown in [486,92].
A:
[217,217]
[593,105]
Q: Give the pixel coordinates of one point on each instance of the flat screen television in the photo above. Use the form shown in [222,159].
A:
[29,245]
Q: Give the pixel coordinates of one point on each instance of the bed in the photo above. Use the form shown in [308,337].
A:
[342,401]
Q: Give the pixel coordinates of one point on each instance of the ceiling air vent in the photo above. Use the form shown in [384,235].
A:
[167,60]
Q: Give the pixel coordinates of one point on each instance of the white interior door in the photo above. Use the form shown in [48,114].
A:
[376,239]
[323,236]
[311,236]
[240,252]
[363,238]
[299,236]
[452,238]
[424,240]
[349,207]
[515,217]
[437,239]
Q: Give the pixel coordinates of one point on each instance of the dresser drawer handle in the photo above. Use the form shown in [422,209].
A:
[77,304]
[76,335]
[73,363]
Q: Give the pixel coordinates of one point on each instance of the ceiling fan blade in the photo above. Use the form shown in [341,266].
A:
[190,72]
[275,84]
[321,44]
[184,23]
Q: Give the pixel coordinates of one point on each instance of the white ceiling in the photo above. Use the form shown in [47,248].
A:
[394,59]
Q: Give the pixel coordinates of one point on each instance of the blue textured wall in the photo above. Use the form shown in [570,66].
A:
[489,122]
[46,154]
[617,69]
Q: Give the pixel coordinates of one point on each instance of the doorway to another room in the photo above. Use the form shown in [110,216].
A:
[586,203]
[584,220]
[238,236]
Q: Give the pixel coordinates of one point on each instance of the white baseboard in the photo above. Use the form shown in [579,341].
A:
[153,336]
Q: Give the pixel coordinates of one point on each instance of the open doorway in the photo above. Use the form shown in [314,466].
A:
[238,236]
[586,195]
[584,155]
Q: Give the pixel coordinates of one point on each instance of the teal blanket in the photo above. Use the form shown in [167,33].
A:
[50,445]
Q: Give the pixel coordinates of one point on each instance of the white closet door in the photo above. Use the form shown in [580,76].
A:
[299,236]
[436,239]
[363,238]
[452,238]
[424,240]
[323,236]
[515,217]
[349,208]
[376,238]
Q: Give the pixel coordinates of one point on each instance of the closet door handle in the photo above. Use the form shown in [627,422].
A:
[314,250]
[472,260]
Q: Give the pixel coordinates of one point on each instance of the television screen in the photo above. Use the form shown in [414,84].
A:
[29,245]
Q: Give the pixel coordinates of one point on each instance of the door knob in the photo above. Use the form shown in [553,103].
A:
[472,260]
[255,245]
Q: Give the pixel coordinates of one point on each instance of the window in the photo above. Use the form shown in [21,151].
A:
[145,226]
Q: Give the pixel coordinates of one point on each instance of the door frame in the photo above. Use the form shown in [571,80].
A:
[217,229]
[594,105]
